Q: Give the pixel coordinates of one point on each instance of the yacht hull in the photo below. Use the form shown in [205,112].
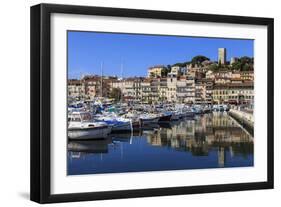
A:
[149,120]
[89,133]
[122,127]
[165,118]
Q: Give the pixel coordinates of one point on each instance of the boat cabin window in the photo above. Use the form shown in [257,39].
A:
[75,117]
[86,117]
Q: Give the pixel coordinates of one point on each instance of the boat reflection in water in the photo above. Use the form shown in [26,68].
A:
[208,141]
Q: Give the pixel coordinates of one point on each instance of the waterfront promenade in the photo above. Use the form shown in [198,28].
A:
[245,118]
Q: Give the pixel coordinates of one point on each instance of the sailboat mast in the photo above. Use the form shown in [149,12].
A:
[121,98]
[101,76]
[121,71]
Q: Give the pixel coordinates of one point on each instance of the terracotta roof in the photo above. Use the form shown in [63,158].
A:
[73,81]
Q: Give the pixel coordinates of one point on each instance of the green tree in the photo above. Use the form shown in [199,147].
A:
[179,64]
[213,67]
[165,71]
[236,65]
[116,94]
[219,64]
[169,67]
[152,74]
[246,60]
[199,59]
[243,64]
[186,63]
[183,64]
[245,67]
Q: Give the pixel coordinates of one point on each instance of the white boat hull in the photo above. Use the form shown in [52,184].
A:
[122,127]
[89,133]
[149,120]
[189,114]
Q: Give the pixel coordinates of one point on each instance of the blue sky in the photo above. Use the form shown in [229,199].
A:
[86,51]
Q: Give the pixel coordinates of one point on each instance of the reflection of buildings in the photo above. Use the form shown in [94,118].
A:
[210,132]
[221,156]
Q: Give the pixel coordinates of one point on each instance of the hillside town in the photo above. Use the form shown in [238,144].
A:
[199,81]
[164,111]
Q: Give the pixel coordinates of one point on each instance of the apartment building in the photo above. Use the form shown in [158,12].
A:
[234,93]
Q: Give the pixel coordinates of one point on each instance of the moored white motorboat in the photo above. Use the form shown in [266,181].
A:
[207,109]
[221,107]
[165,117]
[226,107]
[135,119]
[81,126]
[189,114]
[79,106]
[118,124]
[149,119]
[197,109]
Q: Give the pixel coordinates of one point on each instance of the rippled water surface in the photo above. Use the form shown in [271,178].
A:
[209,141]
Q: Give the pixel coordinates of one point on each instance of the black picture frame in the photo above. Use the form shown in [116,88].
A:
[41,95]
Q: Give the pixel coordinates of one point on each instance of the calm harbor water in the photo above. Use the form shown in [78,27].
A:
[212,140]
